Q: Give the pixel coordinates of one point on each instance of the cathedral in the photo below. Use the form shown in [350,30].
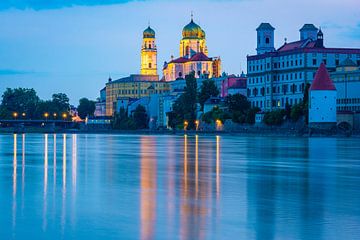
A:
[193,56]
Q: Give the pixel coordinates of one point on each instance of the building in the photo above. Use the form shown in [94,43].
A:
[193,56]
[137,86]
[233,84]
[279,76]
[100,105]
[347,82]
[213,102]
[148,53]
[322,99]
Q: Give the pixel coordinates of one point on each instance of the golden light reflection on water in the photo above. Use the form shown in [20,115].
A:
[14,181]
[147,188]
[74,161]
[200,163]
[63,210]
[217,166]
[46,152]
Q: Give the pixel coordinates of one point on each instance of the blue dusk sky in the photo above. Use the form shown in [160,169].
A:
[72,46]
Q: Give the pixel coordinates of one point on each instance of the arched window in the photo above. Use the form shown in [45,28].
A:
[180,74]
[199,73]
[187,50]
[149,65]
[149,45]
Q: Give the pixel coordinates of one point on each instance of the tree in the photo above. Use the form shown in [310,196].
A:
[250,115]
[306,103]
[19,100]
[208,89]
[185,106]
[297,111]
[122,121]
[61,102]
[140,117]
[237,102]
[239,107]
[86,108]
[275,117]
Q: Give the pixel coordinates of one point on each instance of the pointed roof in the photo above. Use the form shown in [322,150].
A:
[322,80]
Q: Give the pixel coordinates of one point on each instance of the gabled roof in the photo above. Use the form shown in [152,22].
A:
[322,80]
[200,57]
[307,43]
[179,60]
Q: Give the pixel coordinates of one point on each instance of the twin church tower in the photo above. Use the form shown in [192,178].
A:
[193,56]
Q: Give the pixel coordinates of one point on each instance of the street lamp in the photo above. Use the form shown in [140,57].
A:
[197,124]
[46,115]
[55,115]
[218,124]
[186,123]
[15,115]
[64,115]
[23,114]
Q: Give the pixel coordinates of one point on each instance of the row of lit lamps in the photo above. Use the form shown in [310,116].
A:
[46,115]
[197,122]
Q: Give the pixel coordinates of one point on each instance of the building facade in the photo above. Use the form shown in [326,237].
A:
[347,82]
[193,56]
[277,77]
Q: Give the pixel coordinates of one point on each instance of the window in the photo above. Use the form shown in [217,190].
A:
[267,40]
[314,62]
[337,62]
[149,65]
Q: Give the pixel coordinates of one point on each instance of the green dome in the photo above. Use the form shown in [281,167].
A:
[149,33]
[192,30]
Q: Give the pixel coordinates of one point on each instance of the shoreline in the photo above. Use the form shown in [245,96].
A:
[252,132]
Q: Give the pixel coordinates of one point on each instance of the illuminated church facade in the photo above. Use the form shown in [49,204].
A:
[193,57]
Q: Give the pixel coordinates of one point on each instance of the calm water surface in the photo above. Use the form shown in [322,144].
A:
[178,187]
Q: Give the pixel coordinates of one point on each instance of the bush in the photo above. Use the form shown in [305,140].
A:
[275,117]
[296,112]
[250,115]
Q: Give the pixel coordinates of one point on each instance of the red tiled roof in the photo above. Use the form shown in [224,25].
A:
[179,60]
[322,80]
[297,45]
[200,57]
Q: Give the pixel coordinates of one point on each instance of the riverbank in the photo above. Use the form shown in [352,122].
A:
[275,132]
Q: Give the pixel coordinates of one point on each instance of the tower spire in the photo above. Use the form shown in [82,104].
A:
[192,16]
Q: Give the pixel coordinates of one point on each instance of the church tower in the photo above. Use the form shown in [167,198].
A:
[193,40]
[265,38]
[148,53]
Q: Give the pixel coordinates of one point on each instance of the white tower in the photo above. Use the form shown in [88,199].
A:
[322,99]
[265,38]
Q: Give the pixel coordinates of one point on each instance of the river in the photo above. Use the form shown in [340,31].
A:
[68,186]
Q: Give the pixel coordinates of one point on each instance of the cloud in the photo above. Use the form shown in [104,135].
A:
[54,4]
[13,72]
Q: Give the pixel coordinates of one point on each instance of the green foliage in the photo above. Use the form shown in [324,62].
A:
[250,115]
[86,108]
[208,89]
[19,100]
[240,109]
[28,105]
[275,117]
[297,111]
[122,121]
[215,114]
[184,107]
[306,103]
[237,103]
[140,117]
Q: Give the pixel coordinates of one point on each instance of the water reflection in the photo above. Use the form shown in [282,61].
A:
[14,181]
[46,152]
[186,187]
[147,188]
